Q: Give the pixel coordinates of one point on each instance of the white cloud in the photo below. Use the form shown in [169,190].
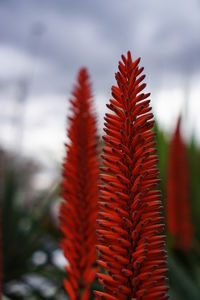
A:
[94,33]
[17,64]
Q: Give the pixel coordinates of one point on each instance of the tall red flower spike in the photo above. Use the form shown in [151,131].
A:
[179,219]
[131,247]
[78,212]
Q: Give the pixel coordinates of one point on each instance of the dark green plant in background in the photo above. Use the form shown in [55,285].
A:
[162,150]
[30,236]
[194,165]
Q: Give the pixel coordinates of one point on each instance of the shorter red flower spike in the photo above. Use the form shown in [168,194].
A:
[78,212]
[131,244]
[179,219]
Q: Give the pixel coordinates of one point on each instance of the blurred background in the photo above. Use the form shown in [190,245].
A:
[42,45]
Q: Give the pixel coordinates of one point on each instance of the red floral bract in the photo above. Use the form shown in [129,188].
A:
[179,219]
[79,189]
[131,247]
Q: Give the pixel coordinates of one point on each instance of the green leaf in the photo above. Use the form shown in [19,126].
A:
[181,284]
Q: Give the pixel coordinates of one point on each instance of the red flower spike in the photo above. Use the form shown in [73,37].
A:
[131,247]
[179,218]
[78,211]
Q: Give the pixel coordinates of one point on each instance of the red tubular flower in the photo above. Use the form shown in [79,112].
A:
[131,246]
[78,212]
[179,219]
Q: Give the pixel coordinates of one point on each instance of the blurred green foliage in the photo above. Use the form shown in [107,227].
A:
[194,165]
[30,236]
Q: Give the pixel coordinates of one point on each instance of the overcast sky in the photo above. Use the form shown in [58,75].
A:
[44,42]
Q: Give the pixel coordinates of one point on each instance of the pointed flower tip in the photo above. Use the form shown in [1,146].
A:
[83,70]
[179,121]
[83,74]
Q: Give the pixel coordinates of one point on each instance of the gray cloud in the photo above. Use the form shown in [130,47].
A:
[94,33]
[46,41]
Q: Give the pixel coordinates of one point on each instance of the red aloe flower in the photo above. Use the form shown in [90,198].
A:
[131,247]
[178,207]
[79,189]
